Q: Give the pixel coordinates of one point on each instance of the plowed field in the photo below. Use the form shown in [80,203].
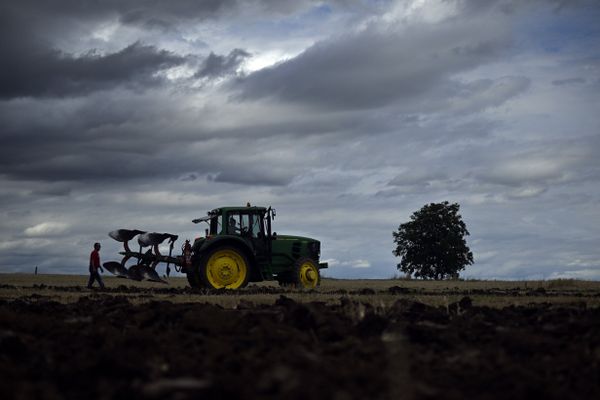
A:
[145,343]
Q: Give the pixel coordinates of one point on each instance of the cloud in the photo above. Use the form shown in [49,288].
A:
[253,176]
[217,66]
[568,81]
[484,93]
[162,16]
[65,75]
[520,170]
[165,15]
[377,67]
[46,229]
[135,137]
[135,12]
[551,163]
[527,191]
[419,181]
[359,263]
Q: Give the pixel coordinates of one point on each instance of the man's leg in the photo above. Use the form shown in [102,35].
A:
[91,280]
[99,280]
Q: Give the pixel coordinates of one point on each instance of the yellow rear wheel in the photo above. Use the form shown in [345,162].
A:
[225,267]
[307,273]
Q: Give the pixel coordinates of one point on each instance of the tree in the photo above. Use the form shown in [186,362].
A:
[432,244]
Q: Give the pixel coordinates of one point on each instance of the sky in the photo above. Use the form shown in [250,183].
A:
[345,116]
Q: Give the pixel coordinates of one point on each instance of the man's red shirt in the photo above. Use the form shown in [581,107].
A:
[95,259]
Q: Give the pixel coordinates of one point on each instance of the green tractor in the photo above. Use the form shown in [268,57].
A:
[238,247]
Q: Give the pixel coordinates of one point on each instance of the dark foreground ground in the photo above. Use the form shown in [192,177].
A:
[103,346]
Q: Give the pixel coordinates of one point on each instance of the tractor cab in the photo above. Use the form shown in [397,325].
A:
[250,222]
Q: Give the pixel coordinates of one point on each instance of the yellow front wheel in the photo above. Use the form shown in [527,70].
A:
[224,267]
[307,273]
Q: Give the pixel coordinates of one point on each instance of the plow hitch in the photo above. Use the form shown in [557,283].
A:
[146,261]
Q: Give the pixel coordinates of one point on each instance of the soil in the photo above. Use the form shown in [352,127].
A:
[103,346]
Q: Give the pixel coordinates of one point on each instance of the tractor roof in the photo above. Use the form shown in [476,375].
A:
[218,211]
[234,209]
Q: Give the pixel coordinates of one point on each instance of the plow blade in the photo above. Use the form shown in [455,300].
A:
[154,238]
[124,235]
[116,268]
[140,272]
[146,261]
[137,272]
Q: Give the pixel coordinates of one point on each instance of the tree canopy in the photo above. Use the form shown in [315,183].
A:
[432,244]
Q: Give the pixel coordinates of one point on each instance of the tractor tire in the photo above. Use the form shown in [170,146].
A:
[224,267]
[194,280]
[193,276]
[305,274]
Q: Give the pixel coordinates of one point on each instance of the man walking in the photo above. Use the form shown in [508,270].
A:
[95,266]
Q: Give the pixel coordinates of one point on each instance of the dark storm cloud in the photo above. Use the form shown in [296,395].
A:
[513,6]
[145,13]
[123,137]
[53,73]
[216,66]
[371,69]
[264,175]
[163,14]
[104,135]
[129,11]
[126,136]
[34,65]
[166,14]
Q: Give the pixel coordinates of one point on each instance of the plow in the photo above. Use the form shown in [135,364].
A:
[146,262]
[238,247]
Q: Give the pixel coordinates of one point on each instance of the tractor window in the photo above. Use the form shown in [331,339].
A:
[215,225]
[233,224]
[245,225]
[257,228]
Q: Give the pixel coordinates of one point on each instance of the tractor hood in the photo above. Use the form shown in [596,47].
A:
[295,238]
